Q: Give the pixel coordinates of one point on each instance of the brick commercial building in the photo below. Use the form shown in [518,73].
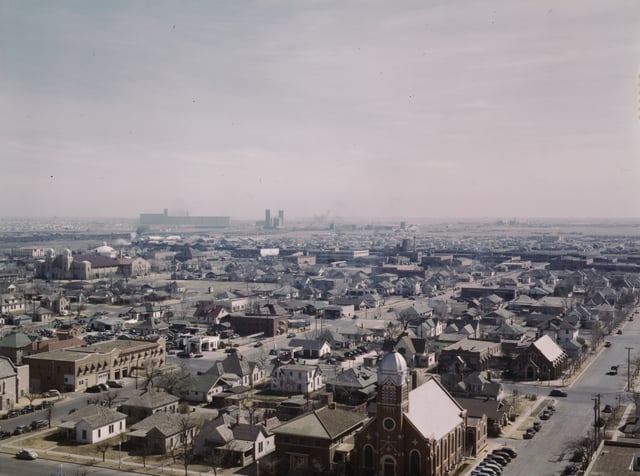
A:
[76,369]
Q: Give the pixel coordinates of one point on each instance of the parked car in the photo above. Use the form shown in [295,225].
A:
[199,356]
[607,344]
[93,389]
[26,454]
[13,413]
[556,392]
[291,335]
[607,409]
[619,331]
[545,415]
[20,429]
[184,355]
[570,469]
[114,384]
[258,344]
[36,424]
[537,425]
[529,433]
[497,458]
[509,450]
[52,393]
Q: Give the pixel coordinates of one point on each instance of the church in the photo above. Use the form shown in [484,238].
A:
[417,432]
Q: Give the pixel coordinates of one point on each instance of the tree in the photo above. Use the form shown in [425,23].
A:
[186,433]
[110,397]
[173,381]
[581,449]
[103,447]
[31,397]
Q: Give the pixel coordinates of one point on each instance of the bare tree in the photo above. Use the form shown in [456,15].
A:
[110,397]
[31,396]
[251,408]
[187,429]
[581,449]
[175,380]
[103,447]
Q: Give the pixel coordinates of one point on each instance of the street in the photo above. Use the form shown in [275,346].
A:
[546,454]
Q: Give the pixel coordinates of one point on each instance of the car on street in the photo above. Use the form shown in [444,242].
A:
[199,356]
[619,331]
[52,393]
[537,425]
[291,335]
[37,424]
[258,344]
[607,409]
[510,451]
[13,413]
[26,454]
[570,469]
[529,433]
[607,344]
[556,392]
[20,429]
[546,415]
[114,384]
[184,355]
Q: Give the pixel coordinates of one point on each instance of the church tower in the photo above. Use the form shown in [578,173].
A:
[392,403]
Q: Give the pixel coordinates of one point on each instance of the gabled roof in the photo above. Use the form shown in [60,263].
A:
[96,416]
[165,423]
[433,411]
[548,348]
[151,399]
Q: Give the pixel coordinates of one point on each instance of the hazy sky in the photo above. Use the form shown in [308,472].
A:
[495,108]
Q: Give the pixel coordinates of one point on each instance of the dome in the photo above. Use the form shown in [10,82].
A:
[393,366]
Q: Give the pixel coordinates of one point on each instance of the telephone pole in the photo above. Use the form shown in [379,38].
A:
[596,421]
[628,368]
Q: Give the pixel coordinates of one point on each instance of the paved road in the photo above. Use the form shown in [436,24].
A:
[547,454]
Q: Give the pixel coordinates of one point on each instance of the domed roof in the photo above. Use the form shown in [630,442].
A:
[392,367]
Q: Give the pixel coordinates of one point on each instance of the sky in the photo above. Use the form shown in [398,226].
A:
[362,108]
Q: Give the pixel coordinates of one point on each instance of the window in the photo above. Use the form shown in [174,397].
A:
[415,462]
[84,434]
[368,456]
[99,432]
[260,447]
[110,428]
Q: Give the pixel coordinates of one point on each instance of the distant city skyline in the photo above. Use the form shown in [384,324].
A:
[472,109]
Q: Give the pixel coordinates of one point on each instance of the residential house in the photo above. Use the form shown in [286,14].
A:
[469,355]
[318,441]
[92,424]
[310,348]
[14,383]
[353,386]
[237,370]
[162,432]
[478,385]
[297,378]
[208,313]
[236,443]
[416,352]
[142,406]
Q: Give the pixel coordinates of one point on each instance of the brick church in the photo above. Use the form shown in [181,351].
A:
[417,432]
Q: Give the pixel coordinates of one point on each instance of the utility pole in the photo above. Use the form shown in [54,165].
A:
[596,417]
[628,368]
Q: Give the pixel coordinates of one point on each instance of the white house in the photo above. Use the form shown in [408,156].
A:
[297,378]
[93,423]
